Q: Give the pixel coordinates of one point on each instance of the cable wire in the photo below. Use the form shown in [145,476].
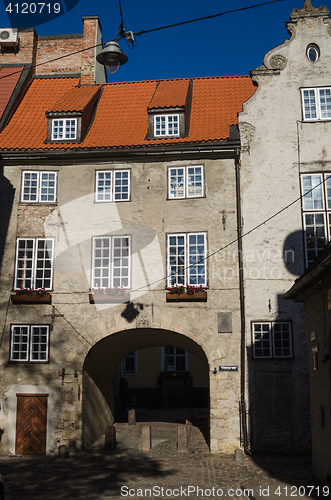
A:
[122,33]
[237,239]
[206,17]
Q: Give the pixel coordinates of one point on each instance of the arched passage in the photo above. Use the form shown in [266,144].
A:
[100,369]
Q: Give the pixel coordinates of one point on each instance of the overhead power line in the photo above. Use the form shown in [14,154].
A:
[236,239]
[122,33]
[206,17]
[213,253]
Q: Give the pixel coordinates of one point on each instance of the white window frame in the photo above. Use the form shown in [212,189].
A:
[186,265]
[109,269]
[39,186]
[133,356]
[172,368]
[315,94]
[313,205]
[167,127]
[64,136]
[112,192]
[30,264]
[186,182]
[272,340]
[28,357]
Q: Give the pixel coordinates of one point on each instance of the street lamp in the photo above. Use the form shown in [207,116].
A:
[112,57]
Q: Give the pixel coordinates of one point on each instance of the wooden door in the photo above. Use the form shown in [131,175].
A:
[31,424]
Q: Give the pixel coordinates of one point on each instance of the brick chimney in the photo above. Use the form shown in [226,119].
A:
[92,71]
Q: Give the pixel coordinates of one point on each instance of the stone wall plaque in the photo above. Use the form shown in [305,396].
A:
[224,320]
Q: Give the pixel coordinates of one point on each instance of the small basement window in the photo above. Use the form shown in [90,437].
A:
[64,129]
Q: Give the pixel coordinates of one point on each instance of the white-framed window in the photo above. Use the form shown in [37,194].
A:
[39,186]
[174,359]
[316,103]
[130,363]
[34,263]
[272,339]
[64,129]
[186,259]
[112,185]
[29,343]
[166,125]
[185,182]
[111,264]
[316,208]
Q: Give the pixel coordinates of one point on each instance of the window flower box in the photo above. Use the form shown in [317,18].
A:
[109,296]
[31,296]
[186,294]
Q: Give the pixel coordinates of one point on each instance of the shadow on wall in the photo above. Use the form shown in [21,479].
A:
[293,253]
[7,193]
[278,363]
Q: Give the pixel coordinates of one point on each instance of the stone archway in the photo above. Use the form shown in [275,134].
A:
[100,366]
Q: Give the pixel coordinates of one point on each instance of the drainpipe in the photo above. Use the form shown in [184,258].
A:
[242,311]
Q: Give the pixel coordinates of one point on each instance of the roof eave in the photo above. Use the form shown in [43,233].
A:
[219,149]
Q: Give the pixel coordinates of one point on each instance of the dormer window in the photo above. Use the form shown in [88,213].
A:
[166,125]
[71,116]
[169,110]
[64,129]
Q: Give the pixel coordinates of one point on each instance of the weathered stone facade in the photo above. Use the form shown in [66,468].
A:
[88,341]
[280,147]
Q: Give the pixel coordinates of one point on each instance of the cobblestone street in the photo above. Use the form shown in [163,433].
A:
[127,471]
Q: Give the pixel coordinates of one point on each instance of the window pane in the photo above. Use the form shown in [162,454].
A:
[121,185]
[129,363]
[309,104]
[70,129]
[196,249]
[121,271]
[39,343]
[19,343]
[176,260]
[328,190]
[44,263]
[101,263]
[30,186]
[315,235]
[282,340]
[312,192]
[176,183]
[325,103]
[261,340]
[47,187]
[24,263]
[194,181]
[104,186]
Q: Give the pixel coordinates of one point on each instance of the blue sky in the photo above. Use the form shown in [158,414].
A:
[232,44]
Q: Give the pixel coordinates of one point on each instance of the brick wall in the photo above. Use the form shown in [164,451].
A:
[40,50]
[52,48]
[27,49]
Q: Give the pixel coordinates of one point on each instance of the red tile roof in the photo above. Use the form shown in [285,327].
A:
[121,118]
[8,84]
[170,94]
[77,99]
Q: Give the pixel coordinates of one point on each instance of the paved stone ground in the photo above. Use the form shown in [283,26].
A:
[103,475]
